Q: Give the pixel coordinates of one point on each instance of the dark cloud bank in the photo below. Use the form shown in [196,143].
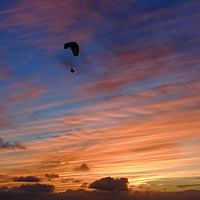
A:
[107,189]
[26,179]
[44,192]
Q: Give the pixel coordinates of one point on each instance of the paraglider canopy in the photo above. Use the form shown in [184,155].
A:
[73,46]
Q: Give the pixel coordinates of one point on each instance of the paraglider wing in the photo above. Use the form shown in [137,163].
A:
[73,46]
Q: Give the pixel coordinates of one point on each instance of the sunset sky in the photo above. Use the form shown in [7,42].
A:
[131,109]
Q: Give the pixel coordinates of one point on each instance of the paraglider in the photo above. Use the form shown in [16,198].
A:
[74,48]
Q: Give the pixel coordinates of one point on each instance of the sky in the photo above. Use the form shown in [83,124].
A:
[131,110]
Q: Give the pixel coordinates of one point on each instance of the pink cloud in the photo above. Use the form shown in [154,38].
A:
[23,84]
[28,94]
[50,18]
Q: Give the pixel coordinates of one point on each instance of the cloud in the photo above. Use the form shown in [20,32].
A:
[5,120]
[84,185]
[50,20]
[110,184]
[83,167]
[26,179]
[28,94]
[9,145]
[51,175]
[189,185]
[35,188]
[4,178]
[70,180]
[22,194]
[23,83]
[4,123]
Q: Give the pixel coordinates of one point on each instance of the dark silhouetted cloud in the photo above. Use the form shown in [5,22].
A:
[9,145]
[13,193]
[26,179]
[51,175]
[110,184]
[189,185]
[35,188]
[83,167]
